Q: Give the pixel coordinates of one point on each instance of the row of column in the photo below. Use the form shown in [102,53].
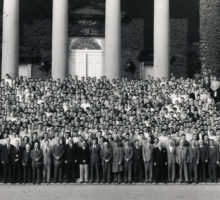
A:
[112,68]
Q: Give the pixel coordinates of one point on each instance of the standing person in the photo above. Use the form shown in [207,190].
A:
[26,161]
[6,158]
[36,156]
[160,162]
[84,157]
[47,161]
[193,161]
[171,161]
[182,160]
[203,159]
[106,156]
[213,153]
[95,160]
[117,162]
[147,152]
[70,160]
[128,161]
[58,152]
[16,162]
[138,162]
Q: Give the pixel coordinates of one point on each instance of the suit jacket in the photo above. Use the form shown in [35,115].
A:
[147,152]
[26,158]
[17,155]
[203,154]
[70,154]
[193,155]
[6,154]
[106,154]
[182,154]
[213,154]
[36,156]
[137,154]
[128,153]
[47,154]
[171,156]
[58,152]
[95,154]
[160,156]
[84,156]
[118,155]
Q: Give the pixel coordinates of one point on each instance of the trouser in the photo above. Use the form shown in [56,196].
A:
[36,171]
[117,177]
[106,170]
[27,173]
[193,172]
[160,172]
[70,172]
[213,172]
[138,171]
[16,169]
[183,169]
[148,170]
[95,168]
[202,172]
[171,171]
[58,172]
[127,171]
[84,172]
[7,176]
[47,172]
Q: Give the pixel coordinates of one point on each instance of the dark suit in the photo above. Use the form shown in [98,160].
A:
[6,158]
[95,161]
[58,152]
[160,160]
[128,160]
[70,156]
[16,164]
[203,159]
[138,163]
[26,161]
[36,156]
[106,156]
[213,158]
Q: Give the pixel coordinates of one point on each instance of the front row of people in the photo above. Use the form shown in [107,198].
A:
[111,161]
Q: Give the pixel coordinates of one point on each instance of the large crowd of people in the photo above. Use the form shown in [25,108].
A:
[109,131]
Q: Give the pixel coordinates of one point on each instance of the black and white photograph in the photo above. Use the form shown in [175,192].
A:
[109,99]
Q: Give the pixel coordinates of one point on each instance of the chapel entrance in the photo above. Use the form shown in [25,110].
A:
[86,57]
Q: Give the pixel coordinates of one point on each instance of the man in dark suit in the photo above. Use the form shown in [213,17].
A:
[193,161]
[203,159]
[58,153]
[128,161]
[138,162]
[213,152]
[171,161]
[36,156]
[106,156]
[70,160]
[95,160]
[16,162]
[26,161]
[160,162]
[6,159]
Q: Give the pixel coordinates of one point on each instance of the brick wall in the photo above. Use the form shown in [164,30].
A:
[210,35]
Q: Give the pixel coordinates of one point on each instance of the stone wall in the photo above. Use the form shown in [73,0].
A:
[210,35]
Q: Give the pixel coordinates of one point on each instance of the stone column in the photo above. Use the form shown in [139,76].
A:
[60,39]
[113,39]
[10,38]
[161,38]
